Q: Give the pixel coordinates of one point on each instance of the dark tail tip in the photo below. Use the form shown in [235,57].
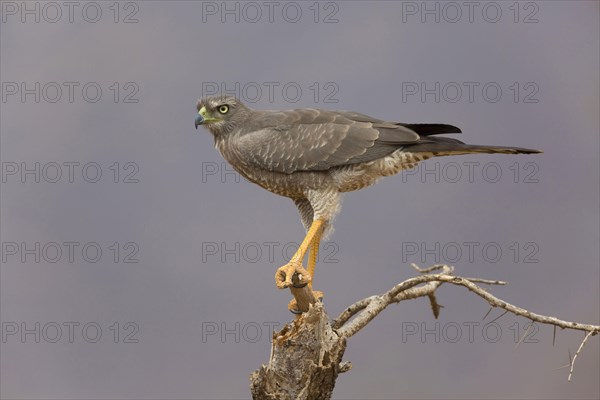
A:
[503,150]
[432,129]
[528,151]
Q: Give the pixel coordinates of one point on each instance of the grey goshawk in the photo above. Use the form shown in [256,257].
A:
[312,156]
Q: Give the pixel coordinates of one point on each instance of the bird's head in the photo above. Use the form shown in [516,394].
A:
[220,114]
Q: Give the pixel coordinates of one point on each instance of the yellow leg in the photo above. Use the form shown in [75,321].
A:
[314,252]
[283,276]
[313,231]
[312,261]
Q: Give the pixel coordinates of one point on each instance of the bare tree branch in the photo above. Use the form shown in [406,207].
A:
[306,355]
[409,294]
[367,309]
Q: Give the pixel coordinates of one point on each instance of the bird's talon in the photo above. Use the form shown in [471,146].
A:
[284,277]
[300,284]
[295,311]
[319,295]
[283,285]
[293,307]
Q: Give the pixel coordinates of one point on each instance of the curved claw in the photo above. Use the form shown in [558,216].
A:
[293,307]
[319,295]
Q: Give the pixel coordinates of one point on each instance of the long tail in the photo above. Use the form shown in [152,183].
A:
[442,146]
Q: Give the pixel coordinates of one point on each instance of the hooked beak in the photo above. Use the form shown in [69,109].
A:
[199,120]
[204,118]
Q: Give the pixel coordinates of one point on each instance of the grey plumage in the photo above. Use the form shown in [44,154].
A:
[311,156]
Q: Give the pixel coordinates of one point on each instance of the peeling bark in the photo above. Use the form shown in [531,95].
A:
[306,358]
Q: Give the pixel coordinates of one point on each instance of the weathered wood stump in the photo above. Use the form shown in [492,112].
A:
[305,360]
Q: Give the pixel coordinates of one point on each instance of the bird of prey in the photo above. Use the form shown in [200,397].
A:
[313,156]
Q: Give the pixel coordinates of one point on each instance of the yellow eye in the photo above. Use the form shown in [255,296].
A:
[223,109]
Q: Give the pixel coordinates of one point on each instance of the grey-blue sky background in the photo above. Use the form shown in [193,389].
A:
[175,214]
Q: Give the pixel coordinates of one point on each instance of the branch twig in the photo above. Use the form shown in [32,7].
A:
[579,351]
[367,309]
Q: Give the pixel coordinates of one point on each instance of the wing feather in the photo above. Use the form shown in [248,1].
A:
[317,140]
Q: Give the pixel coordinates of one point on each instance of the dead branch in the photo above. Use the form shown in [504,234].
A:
[369,308]
[306,355]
